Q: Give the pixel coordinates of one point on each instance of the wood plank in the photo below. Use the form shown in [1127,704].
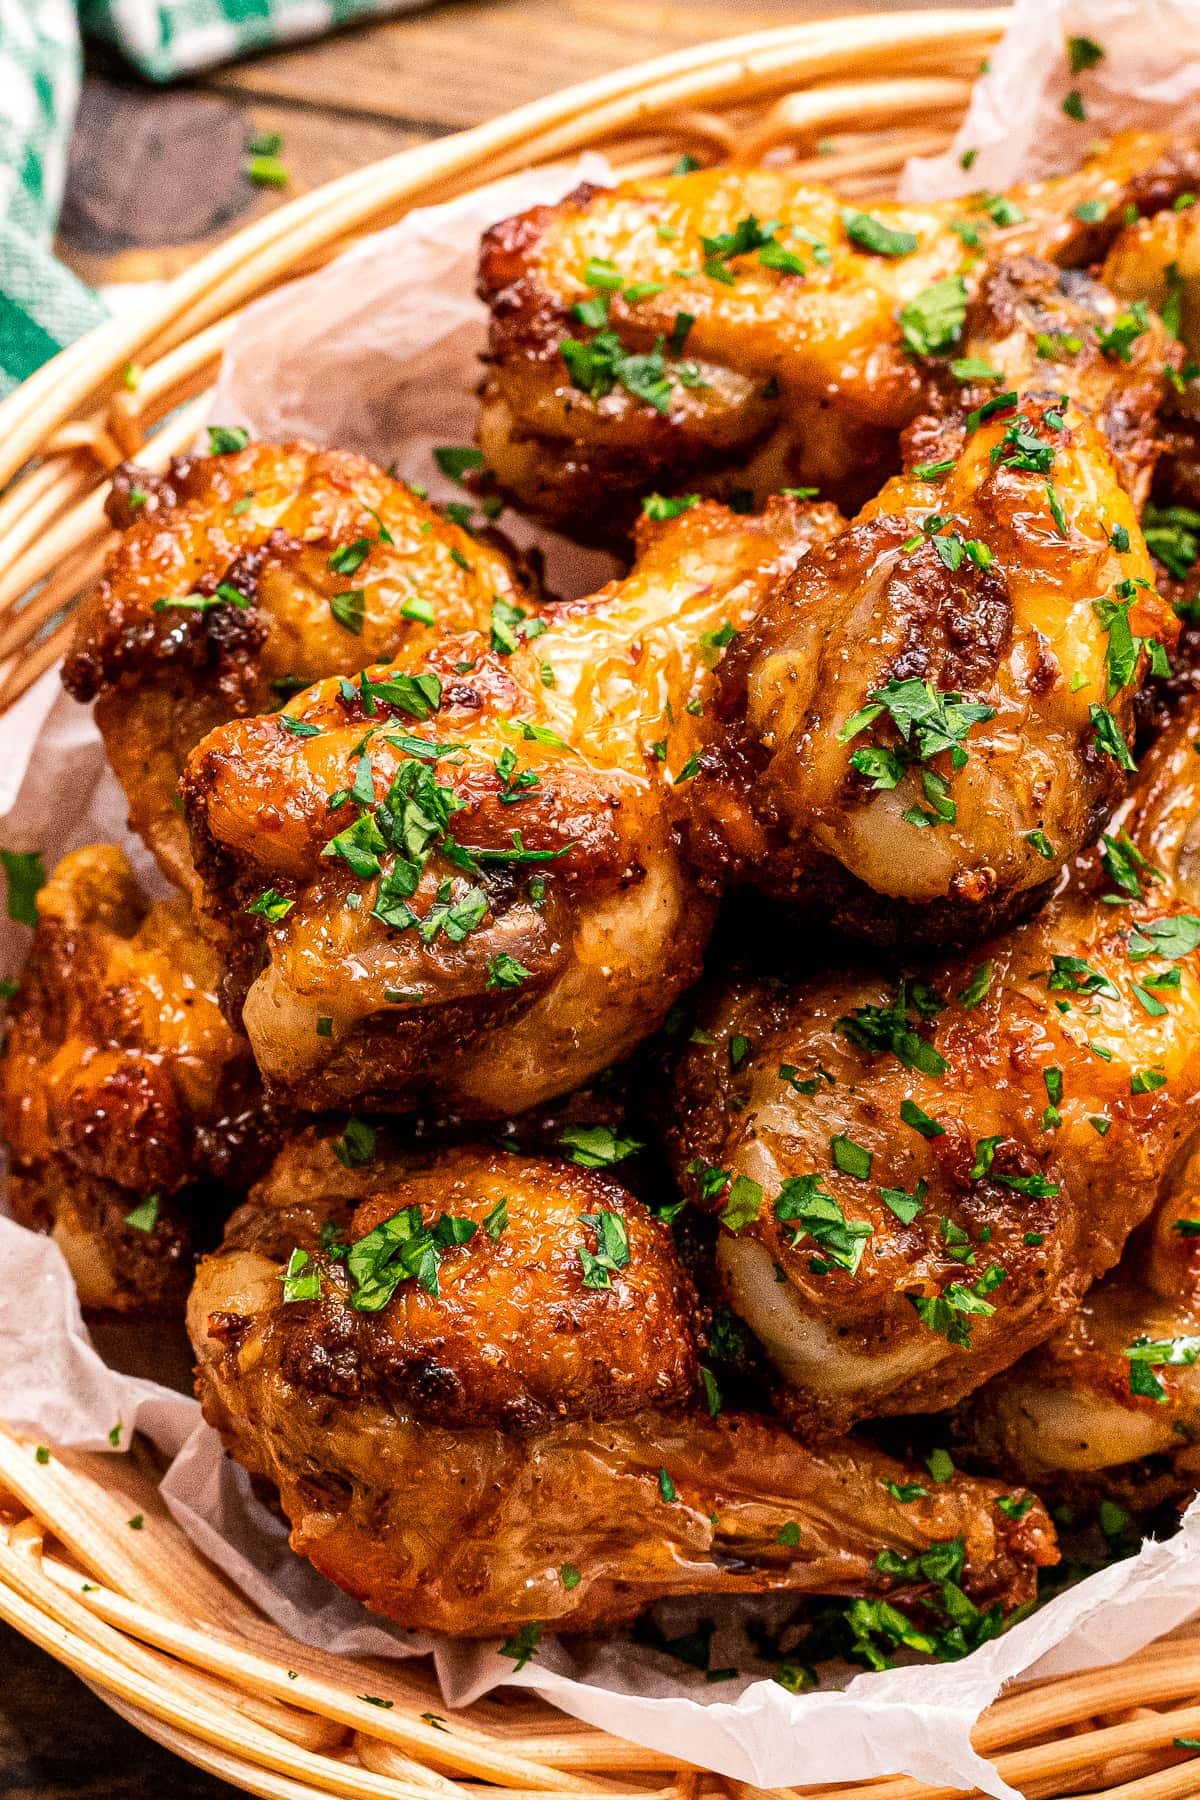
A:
[467,60]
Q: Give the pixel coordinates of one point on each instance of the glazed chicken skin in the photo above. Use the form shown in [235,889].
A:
[243,576]
[918,1181]
[933,713]
[474,1389]
[131,1112]
[748,326]
[459,878]
[1112,1401]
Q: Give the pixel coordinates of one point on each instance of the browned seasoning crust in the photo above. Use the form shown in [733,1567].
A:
[1036,1047]
[253,532]
[574,1445]
[972,572]
[792,372]
[123,1091]
[579,936]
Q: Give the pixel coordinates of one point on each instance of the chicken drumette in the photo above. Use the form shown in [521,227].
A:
[933,713]
[240,578]
[459,877]
[745,326]
[918,1181]
[132,1114]
[472,1378]
[1111,1403]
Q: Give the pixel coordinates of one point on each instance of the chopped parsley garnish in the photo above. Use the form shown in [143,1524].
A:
[658,506]
[612,1248]
[457,460]
[1125,865]
[271,904]
[1109,738]
[505,971]
[872,234]
[402,1248]
[25,874]
[744,1202]
[977,987]
[1173,536]
[348,609]
[912,1114]
[1145,1355]
[877,1029]
[1173,938]
[596,1146]
[1127,327]
[301,1279]
[356,1146]
[949,1312]
[1022,448]
[1083,53]
[522,1646]
[933,320]
[804,1204]
[604,363]
[145,1216]
[224,440]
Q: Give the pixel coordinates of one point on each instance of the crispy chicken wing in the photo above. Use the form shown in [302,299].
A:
[1113,1399]
[471,1380]
[932,713]
[459,877]
[132,1113]
[243,576]
[746,324]
[917,1182]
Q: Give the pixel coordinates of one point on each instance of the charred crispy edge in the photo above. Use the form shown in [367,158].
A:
[219,643]
[334,1350]
[526,319]
[149,1272]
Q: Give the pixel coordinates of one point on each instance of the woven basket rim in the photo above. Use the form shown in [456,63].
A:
[141,1617]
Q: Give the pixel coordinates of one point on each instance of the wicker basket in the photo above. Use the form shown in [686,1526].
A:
[138,1614]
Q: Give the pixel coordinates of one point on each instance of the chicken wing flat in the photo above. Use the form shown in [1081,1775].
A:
[459,876]
[746,324]
[1112,1401]
[471,1379]
[932,714]
[243,576]
[131,1112]
[918,1181]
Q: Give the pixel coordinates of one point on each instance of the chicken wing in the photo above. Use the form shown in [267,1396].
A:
[746,325]
[471,1378]
[240,578]
[131,1112]
[459,876]
[1113,1399]
[932,714]
[918,1181]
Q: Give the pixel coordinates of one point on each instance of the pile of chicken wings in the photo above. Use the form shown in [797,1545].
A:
[690,1089]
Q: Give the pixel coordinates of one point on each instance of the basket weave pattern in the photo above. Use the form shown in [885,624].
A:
[136,1612]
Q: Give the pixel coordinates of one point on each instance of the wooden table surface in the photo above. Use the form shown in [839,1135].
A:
[156,177]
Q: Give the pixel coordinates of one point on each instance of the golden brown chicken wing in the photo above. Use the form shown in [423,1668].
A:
[471,1380]
[240,578]
[933,713]
[459,876]
[918,1180]
[132,1114]
[747,324]
[1112,1401]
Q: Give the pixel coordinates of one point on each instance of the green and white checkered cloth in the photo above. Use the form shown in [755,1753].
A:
[42,305]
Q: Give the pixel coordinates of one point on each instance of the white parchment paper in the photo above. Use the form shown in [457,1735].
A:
[1149,75]
[378,353]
